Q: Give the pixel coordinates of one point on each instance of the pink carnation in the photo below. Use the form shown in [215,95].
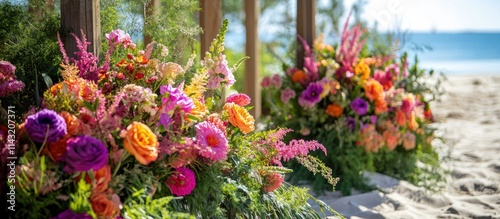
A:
[182,181]
[266,82]
[239,99]
[212,141]
[276,81]
[287,94]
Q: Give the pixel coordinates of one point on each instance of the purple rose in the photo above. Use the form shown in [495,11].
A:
[311,95]
[359,106]
[45,123]
[69,214]
[84,153]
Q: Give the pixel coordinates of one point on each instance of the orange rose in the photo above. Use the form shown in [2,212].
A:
[334,110]
[299,76]
[104,206]
[102,177]
[57,149]
[239,117]
[141,142]
[373,90]
[380,106]
[74,125]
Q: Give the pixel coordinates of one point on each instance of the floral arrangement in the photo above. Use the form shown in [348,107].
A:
[140,137]
[8,81]
[371,112]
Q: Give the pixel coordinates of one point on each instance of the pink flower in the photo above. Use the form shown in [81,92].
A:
[120,37]
[239,99]
[220,73]
[276,81]
[266,82]
[182,181]
[408,104]
[272,181]
[287,94]
[214,119]
[212,141]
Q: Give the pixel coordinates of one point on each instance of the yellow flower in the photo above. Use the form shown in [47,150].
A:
[362,70]
[141,142]
[239,117]
[199,110]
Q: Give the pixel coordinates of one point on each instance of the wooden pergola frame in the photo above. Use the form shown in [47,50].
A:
[84,15]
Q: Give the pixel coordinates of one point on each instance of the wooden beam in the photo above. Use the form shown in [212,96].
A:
[152,9]
[251,86]
[210,22]
[306,26]
[77,16]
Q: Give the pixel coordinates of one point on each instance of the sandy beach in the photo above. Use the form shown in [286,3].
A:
[469,120]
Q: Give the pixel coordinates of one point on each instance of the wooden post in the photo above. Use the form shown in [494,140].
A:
[251,86]
[306,26]
[77,16]
[152,9]
[210,22]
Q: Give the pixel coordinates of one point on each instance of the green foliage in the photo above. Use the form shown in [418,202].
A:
[29,43]
[140,205]
[79,201]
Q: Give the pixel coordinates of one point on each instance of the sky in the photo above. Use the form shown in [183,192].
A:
[433,15]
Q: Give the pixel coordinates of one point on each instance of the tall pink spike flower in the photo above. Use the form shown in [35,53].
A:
[350,46]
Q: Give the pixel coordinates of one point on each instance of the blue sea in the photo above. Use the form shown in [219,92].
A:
[458,53]
[450,53]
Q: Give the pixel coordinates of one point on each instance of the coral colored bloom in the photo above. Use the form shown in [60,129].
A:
[141,142]
[214,119]
[400,117]
[45,123]
[84,153]
[334,110]
[373,90]
[184,156]
[380,106]
[212,141]
[74,125]
[311,95]
[182,181]
[359,106]
[101,179]
[272,181]
[287,94]
[57,149]
[105,205]
[409,141]
[240,99]
[299,76]
[239,117]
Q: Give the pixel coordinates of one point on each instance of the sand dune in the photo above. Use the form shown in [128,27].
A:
[469,118]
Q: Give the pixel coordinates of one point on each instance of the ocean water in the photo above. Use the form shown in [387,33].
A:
[449,53]
[458,53]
